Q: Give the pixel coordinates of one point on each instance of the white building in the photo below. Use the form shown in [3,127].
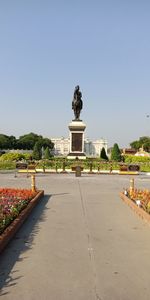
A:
[61,146]
[91,148]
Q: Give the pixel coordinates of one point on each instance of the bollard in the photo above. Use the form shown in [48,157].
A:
[91,167]
[78,171]
[131,185]
[56,167]
[110,170]
[64,165]
[33,187]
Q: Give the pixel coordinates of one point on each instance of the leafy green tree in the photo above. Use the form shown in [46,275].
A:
[116,153]
[135,145]
[143,141]
[47,154]
[37,152]
[103,154]
[45,142]
[27,141]
[4,141]
[12,142]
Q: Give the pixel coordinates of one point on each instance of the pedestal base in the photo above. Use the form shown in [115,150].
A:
[76,155]
[77,140]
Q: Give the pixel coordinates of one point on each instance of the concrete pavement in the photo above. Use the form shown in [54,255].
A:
[80,242]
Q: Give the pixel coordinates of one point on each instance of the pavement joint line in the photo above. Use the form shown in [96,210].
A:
[89,240]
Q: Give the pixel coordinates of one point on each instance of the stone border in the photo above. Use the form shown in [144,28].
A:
[11,230]
[138,210]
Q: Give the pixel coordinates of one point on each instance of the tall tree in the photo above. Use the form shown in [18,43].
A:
[116,153]
[27,141]
[103,154]
[135,145]
[45,142]
[143,141]
[47,154]
[4,141]
[37,152]
[12,142]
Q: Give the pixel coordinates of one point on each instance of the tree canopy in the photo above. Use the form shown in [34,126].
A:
[37,153]
[116,153]
[25,142]
[143,141]
[47,154]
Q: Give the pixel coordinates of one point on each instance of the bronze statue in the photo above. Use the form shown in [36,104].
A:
[77,103]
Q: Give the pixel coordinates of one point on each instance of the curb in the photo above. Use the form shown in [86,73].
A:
[11,230]
[138,210]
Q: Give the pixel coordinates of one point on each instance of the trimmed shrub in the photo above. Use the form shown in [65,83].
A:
[11,157]
[47,154]
[103,154]
[116,153]
[7,165]
[37,152]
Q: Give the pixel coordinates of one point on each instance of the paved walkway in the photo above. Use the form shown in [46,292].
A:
[80,243]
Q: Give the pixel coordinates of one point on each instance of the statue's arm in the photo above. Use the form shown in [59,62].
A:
[72,104]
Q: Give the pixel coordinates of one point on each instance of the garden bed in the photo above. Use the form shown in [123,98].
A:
[139,202]
[14,209]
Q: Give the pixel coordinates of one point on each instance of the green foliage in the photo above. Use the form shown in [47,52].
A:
[132,159]
[116,153]
[4,141]
[47,154]
[37,152]
[103,154]
[45,142]
[12,156]
[7,142]
[27,156]
[25,142]
[7,165]
[143,141]
[28,141]
[135,145]
[12,142]
[145,167]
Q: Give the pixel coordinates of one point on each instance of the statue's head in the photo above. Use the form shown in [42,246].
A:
[77,88]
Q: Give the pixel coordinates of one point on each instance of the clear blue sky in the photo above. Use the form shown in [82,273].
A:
[48,47]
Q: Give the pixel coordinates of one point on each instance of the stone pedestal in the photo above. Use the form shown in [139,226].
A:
[77,140]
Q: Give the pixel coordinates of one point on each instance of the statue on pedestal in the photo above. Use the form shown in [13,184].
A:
[77,103]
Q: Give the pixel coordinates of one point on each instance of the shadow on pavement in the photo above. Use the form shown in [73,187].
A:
[22,241]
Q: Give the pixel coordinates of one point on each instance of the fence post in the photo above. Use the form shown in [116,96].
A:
[33,187]
[131,185]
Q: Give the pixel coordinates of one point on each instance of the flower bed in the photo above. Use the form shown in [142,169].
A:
[141,198]
[15,206]
[139,201]
[12,202]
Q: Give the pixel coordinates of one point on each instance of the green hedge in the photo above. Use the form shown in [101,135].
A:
[144,163]
[14,156]
[131,159]
[7,165]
